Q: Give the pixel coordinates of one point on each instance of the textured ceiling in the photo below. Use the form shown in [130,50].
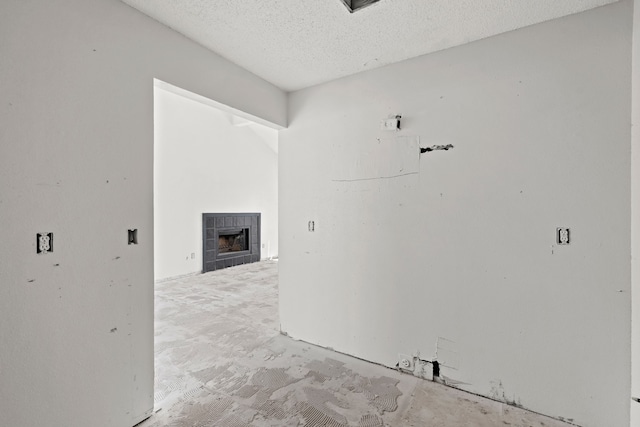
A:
[298,43]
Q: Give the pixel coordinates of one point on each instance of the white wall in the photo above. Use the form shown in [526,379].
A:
[76,147]
[635,217]
[462,246]
[205,163]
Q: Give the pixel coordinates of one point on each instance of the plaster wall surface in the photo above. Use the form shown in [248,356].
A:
[453,254]
[204,163]
[76,159]
[635,218]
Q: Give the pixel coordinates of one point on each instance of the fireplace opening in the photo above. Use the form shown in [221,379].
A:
[230,241]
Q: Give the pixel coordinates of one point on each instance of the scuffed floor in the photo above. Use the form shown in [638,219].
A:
[220,361]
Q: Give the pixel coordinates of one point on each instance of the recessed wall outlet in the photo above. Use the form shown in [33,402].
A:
[563,236]
[193,255]
[44,243]
[405,362]
[133,236]
[312,226]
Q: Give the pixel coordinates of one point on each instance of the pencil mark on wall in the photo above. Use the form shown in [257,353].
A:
[375,178]
[386,159]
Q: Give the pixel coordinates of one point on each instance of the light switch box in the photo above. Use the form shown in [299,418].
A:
[391,123]
[132,236]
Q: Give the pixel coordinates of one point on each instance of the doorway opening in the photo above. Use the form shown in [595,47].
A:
[208,158]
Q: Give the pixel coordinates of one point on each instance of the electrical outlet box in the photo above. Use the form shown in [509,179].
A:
[563,236]
[311,226]
[405,362]
[44,243]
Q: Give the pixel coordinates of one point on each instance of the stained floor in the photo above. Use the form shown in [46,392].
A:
[220,361]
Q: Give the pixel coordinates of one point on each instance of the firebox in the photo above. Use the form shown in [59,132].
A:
[233,241]
[230,239]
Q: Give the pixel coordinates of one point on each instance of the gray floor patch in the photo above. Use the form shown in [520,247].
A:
[370,421]
[272,379]
[319,398]
[383,393]
[329,368]
[315,418]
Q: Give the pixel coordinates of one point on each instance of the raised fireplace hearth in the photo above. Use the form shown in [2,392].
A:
[230,239]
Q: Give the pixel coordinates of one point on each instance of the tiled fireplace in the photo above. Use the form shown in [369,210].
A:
[229,239]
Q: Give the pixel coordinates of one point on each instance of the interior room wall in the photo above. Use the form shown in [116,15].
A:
[453,254]
[76,159]
[635,218]
[208,161]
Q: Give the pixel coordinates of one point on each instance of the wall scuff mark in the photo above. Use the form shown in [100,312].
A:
[498,393]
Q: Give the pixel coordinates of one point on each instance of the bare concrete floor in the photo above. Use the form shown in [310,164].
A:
[220,361]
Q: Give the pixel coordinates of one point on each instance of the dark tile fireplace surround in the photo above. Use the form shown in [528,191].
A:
[229,239]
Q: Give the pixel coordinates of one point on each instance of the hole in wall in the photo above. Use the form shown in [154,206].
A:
[436,369]
[356,5]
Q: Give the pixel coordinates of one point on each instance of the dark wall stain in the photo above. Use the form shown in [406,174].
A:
[436,147]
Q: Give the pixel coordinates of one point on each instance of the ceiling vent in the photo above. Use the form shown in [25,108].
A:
[355,5]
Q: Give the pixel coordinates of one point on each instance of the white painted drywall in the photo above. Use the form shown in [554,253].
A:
[76,147]
[462,254]
[635,219]
[205,163]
